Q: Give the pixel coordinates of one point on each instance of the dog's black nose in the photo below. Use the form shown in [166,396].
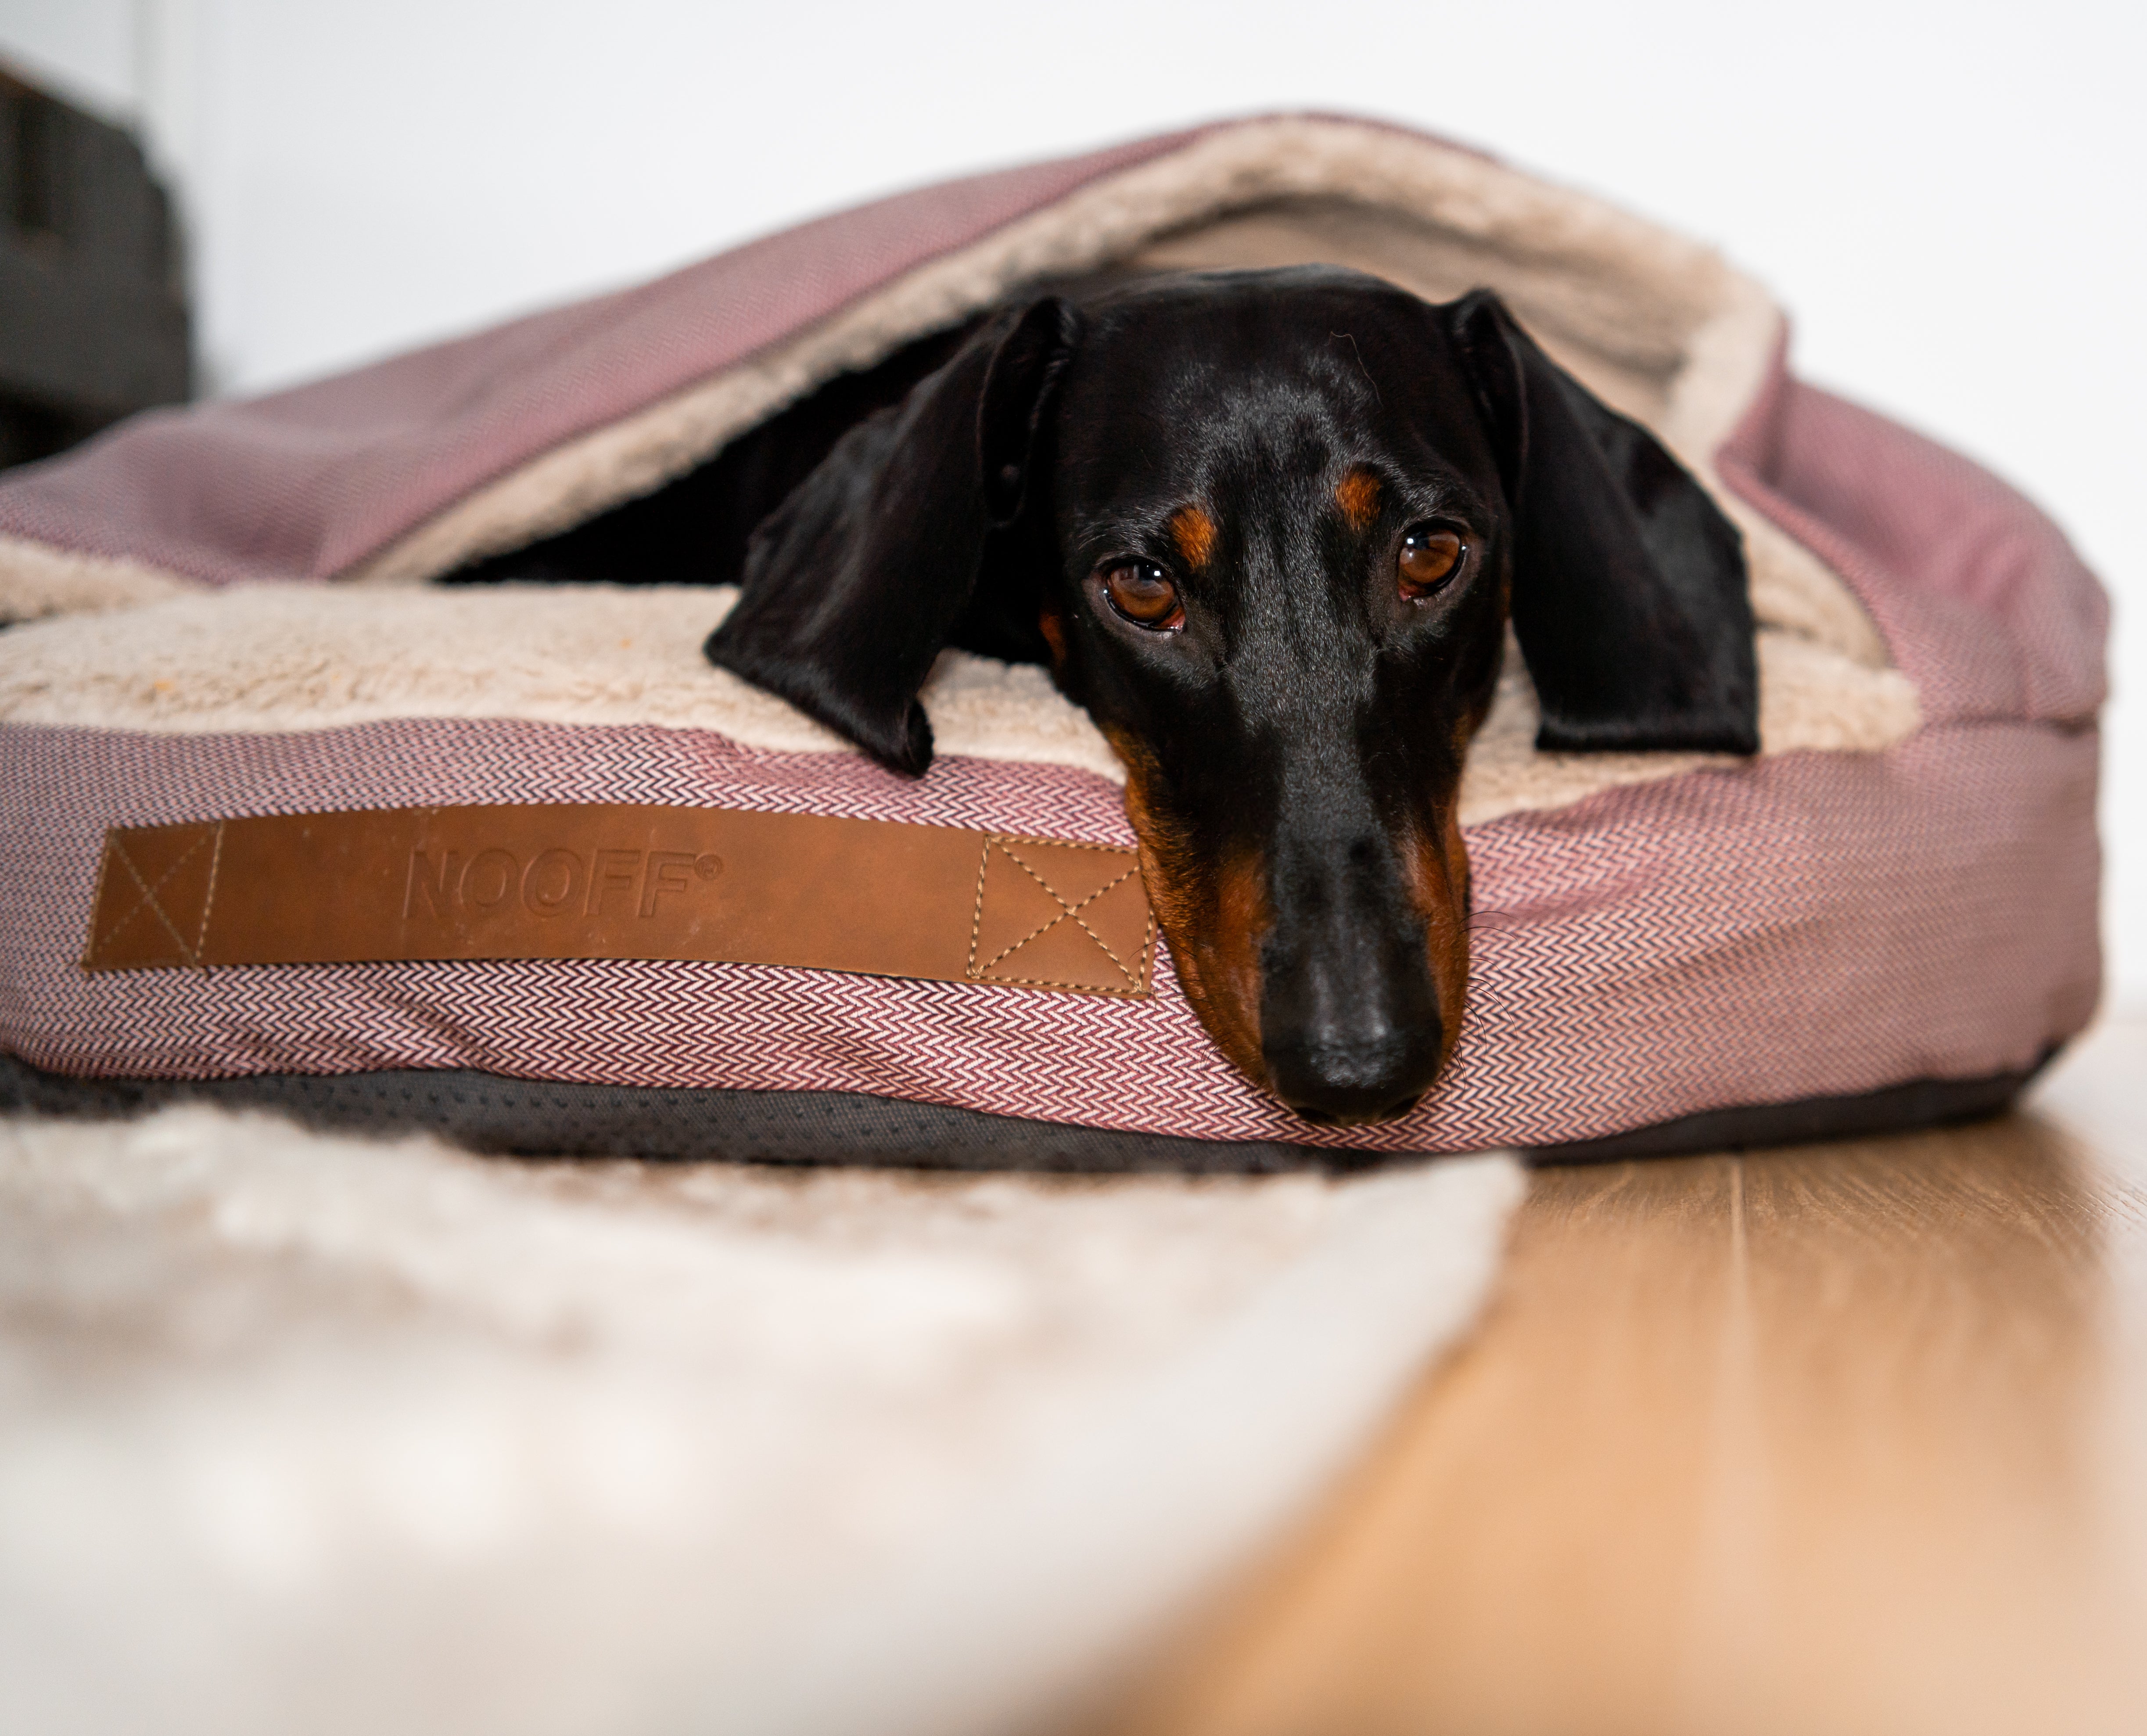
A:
[1371,1079]
[1350,1024]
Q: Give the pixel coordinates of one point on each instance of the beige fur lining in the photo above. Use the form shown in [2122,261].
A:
[1811,699]
[36,581]
[1658,324]
[276,658]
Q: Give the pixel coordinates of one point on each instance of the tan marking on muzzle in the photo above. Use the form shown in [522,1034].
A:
[1438,868]
[1214,914]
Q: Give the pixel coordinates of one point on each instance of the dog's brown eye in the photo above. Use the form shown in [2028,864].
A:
[1142,591]
[1431,554]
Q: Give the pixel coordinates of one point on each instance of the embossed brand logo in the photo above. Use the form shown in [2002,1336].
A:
[555,882]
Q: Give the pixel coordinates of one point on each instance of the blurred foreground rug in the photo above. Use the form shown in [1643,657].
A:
[301,1433]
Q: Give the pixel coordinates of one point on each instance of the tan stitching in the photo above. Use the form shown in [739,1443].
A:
[96,903]
[1124,994]
[1064,843]
[1065,909]
[997,956]
[1138,981]
[1098,939]
[977,916]
[148,898]
[208,898]
[1073,910]
[113,849]
[1058,896]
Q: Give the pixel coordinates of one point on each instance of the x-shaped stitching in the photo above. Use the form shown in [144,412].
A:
[1066,910]
[148,897]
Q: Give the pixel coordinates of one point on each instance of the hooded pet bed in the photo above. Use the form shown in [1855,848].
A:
[1887,916]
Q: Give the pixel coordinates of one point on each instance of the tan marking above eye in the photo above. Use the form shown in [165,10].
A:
[1142,591]
[1429,555]
[1194,533]
[1358,495]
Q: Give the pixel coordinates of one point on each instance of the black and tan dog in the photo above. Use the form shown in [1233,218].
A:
[1268,528]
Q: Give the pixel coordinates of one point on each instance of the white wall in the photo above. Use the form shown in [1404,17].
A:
[1947,197]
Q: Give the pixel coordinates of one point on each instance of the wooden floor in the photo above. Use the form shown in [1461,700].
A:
[1844,1439]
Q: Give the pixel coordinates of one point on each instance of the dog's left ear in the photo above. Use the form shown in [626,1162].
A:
[1629,598]
[852,584]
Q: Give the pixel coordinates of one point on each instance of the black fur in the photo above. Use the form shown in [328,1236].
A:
[853,585]
[1304,715]
[1629,596]
[1628,587]
[694,531]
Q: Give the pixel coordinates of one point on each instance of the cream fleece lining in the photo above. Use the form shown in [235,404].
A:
[326,1434]
[1658,323]
[272,657]
[36,581]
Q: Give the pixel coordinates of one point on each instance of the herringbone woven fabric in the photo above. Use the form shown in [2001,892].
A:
[1812,925]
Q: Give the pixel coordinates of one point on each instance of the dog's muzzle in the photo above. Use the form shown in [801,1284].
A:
[1350,1027]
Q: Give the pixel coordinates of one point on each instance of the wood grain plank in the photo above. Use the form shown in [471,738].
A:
[1838,1439]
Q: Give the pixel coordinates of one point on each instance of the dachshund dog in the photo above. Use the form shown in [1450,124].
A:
[1268,528]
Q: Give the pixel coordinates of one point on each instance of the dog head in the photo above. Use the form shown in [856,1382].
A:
[1268,528]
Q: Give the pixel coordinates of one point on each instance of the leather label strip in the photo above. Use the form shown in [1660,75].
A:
[624,882]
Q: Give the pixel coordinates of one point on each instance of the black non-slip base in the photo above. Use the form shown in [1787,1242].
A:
[1893,1109]
[488,1112]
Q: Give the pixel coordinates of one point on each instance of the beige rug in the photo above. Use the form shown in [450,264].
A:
[313,1434]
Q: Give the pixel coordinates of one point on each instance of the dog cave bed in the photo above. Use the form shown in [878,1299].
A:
[244,734]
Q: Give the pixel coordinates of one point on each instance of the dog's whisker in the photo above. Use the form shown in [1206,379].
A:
[1349,338]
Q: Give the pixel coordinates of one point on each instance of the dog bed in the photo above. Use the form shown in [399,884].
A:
[250,751]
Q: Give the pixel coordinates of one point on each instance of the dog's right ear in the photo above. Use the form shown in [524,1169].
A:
[852,584]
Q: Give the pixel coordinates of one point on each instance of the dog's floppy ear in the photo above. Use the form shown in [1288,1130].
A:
[1630,591]
[852,585]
